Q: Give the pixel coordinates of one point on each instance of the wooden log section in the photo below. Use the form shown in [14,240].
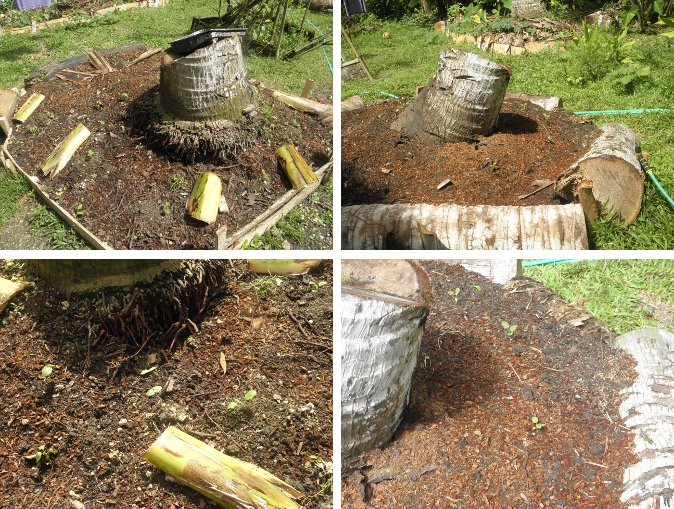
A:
[526,9]
[460,102]
[404,226]
[211,83]
[608,178]
[384,307]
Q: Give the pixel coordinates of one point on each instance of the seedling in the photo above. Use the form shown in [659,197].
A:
[47,370]
[123,96]
[52,116]
[153,390]
[247,397]
[510,329]
[78,211]
[176,182]
[45,455]
[454,293]
[426,360]
[477,287]
[90,154]
[33,130]
[165,209]
[538,425]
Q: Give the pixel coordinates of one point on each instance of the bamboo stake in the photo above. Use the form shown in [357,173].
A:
[204,202]
[62,154]
[227,481]
[283,24]
[28,107]
[99,62]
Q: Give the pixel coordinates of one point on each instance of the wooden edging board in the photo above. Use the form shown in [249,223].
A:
[65,19]
[270,217]
[9,162]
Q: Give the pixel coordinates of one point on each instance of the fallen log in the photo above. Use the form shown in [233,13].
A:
[227,481]
[460,102]
[608,177]
[303,104]
[384,307]
[8,103]
[459,227]
[548,103]
[353,103]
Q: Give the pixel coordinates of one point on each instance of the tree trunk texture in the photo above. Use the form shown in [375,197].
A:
[89,275]
[210,83]
[404,226]
[647,412]
[609,175]
[461,101]
[384,307]
[527,9]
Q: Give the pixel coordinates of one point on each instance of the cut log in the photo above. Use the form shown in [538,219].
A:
[461,101]
[8,103]
[295,167]
[227,481]
[647,410]
[528,9]
[303,104]
[143,56]
[62,154]
[353,103]
[546,102]
[204,201]
[211,83]
[8,290]
[28,107]
[282,267]
[384,307]
[458,227]
[610,172]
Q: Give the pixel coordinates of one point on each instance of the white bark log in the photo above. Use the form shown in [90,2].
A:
[461,101]
[613,172]
[210,83]
[527,9]
[404,226]
[381,334]
[649,412]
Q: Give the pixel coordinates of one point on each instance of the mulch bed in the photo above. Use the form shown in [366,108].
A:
[467,440]
[78,411]
[59,8]
[380,165]
[132,196]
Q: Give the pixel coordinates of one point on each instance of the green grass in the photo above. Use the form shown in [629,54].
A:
[61,236]
[14,188]
[617,292]
[23,53]
[408,57]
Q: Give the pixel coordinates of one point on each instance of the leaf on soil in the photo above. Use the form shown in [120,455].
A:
[47,370]
[154,390]
[149,370]
[223,363]
[250,395]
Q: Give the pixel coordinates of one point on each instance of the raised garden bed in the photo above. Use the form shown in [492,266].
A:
[131,195]
[100,420]
[467,439]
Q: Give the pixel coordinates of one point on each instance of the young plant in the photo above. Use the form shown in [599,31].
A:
[537,424]
[510,329]
[247,397]
[454,293]
[45,455]
[426,360]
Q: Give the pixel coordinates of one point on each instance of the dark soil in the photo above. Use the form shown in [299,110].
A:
[467,440]
[133,196]
[380,165]
[100,421]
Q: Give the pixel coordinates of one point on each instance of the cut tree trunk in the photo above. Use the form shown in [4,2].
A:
[457,227]
[460,102]
[528,9]
[90,275]
[384,307]
[608,178]
[211,83]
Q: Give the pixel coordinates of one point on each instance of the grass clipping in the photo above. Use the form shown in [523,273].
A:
[227,481]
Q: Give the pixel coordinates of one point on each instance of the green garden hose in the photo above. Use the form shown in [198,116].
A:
[649,171]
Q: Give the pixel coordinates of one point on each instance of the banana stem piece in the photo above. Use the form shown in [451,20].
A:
[282,267]
[204,202]
[62,154]
[28,107]
[296,168]
[227,481]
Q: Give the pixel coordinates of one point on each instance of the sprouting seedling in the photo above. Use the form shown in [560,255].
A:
[90,153]
[477,287]
[153,390]
[246,397]
[47,370]
[537,423]
[510,329]
[427,359]
[454,293]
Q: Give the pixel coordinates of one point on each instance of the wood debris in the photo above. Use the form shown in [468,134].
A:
[62,154]
[28,107]
[99,62]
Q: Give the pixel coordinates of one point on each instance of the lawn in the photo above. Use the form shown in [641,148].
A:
[21,54]
[407,57]
[624,294]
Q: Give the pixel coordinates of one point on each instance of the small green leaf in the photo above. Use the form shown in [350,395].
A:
[505,324]
[534,419]
[47,370]
[477,287]
[250,395]
[149,370]
[38,456]
[233,405]
[154,390]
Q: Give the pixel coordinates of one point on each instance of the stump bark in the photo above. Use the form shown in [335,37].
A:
[460,102]
[211,83]
[608,178]
[384,307]
[524,9]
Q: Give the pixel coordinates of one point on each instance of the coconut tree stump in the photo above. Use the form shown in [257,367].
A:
[528,9]
[459,227]
[460,102]
[384,307]
[608,178]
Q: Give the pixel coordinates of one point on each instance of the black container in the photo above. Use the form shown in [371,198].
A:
[201,38]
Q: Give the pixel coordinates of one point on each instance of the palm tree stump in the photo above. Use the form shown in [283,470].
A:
[528,9]
[460,102]
[206,105]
